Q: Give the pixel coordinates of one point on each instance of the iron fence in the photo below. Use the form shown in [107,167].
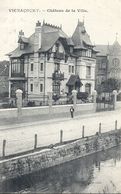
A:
[37,101]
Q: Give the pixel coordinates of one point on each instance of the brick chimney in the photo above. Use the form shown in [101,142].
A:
[37,38]
[21,34]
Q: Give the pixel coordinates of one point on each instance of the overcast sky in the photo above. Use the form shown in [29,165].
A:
[102,21]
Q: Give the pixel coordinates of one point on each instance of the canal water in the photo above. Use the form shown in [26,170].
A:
[97,173]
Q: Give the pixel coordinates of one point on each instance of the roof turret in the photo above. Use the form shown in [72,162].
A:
[80,36]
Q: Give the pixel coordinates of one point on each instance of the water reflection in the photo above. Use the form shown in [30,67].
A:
[92,174]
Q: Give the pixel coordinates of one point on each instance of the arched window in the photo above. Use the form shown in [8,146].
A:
[115,62]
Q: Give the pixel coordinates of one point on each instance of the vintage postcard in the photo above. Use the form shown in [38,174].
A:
[60,96]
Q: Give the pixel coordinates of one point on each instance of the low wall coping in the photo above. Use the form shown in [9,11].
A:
[61,105]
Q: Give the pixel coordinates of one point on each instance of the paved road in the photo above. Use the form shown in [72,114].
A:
[20,137]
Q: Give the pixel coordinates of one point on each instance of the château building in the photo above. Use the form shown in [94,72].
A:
[49,60]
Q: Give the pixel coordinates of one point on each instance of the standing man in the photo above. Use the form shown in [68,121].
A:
[72,111]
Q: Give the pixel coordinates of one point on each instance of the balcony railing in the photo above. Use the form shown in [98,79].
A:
[57,75]
[21,74]
[59,56]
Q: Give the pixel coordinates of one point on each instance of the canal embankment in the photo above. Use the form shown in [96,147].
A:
[33,161]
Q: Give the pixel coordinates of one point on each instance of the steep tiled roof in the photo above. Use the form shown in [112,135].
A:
[23,39]
[49,39]
[73,79]
[105,50]
[70,41]
[80,36]
[29,48]
[50,34]
[115,49]
[102,50]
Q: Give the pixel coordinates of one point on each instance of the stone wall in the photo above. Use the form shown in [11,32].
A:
[34,111]
[32,162]
[118,106]
[8,113]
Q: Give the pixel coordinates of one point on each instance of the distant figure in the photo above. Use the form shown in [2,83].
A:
[72,111]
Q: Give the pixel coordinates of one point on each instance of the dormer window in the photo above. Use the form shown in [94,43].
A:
[23,41]
[21,46]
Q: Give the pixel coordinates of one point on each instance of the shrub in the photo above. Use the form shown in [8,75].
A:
[82,95]
[31,103]
[4,94]
[55,97]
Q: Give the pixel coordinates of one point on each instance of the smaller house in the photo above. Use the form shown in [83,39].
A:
[4,75]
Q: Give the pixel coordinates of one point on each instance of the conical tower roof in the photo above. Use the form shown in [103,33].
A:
[80,37]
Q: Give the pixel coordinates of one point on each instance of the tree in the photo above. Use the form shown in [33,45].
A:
[110,84]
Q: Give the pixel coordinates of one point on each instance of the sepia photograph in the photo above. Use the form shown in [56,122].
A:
[60,96]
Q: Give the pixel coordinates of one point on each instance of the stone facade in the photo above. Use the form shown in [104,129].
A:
[114,61]
[47,60]
[101,70]
[108,62]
